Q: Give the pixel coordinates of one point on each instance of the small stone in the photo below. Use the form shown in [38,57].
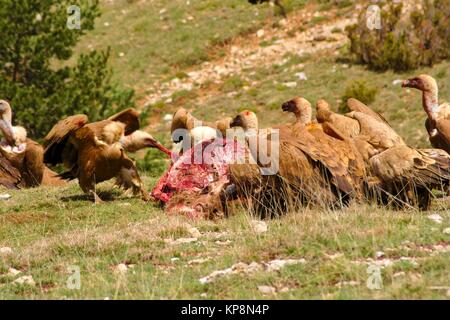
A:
[435,217]
[28,280]
[5,196]
[194,232]
[259,226]
[168,117]
[260,33]
[203,295]
[121,54]
[379,254]
[174,259]
[396,82]
[267,289]
[301,76]
[291,84]
[106,24]
[5,250]
[121,268]
[223,243]
[399,274]
[447,231]
[198,261]
[13,272]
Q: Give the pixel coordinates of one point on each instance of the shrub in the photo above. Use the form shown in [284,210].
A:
[403,43]
[154,163]
[34,74]
[359,90]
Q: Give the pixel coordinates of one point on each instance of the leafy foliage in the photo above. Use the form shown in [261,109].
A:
[360,90]
[34,73]
[403,42]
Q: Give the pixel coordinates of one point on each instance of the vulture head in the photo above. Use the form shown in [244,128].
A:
[300,107]
[423,82]
[5,122]
[247,120]
[15,151]
[140,139]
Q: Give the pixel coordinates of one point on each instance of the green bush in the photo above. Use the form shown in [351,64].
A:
[403,43]
[35,75]
[154,163]
[360,90]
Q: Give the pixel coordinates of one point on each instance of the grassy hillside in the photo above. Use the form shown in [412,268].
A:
[253,60]
[50,230]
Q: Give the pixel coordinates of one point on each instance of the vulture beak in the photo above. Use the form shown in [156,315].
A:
[288,106]
[153,143]
[7,129]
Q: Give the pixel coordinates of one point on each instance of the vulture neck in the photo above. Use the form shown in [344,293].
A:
[303,117]
[430,103]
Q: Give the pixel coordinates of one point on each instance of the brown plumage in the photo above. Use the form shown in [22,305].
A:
[339,156]
[346,126]
[356,105]
[23,153]
[182,119]
[438,121]
[307,172]
[9,175]
[95,152]
[409,175]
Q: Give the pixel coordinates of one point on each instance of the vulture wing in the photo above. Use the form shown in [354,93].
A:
[34,164]
[443,127]
[379,134]
[58,147]
[427,168]
[356,105]
[335,122]
[318,148]
[9,176]
[130,117]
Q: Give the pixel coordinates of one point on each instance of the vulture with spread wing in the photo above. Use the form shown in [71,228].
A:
[96,152]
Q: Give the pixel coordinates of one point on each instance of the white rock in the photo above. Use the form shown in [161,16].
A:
[396,82]
[194,232]
[291,84]
[267,289]
[174,259]
[168,117]
[259,226]
[198,261]
[435,217]
[162,11]
[121,54]
[5,250]
[260,33]
[106,24]
[28,280]
[13,272]
[5,196]
[121,268]
[447,231]
[277,264]
[399,274]
[203,295]
[379,254]
[301,76]
[180,241]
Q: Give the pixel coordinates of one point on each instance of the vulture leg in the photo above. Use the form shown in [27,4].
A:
[87,184]
[128,178]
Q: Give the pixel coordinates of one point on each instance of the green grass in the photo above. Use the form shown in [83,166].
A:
[52,229]
[154,39]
